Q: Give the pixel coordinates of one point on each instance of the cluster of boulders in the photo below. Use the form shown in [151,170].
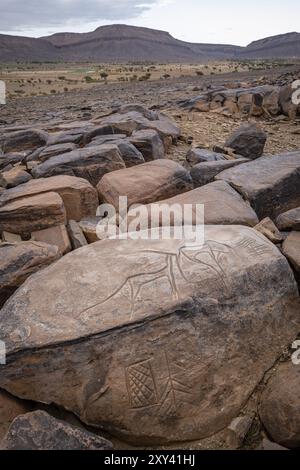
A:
[155,340]
[264,100]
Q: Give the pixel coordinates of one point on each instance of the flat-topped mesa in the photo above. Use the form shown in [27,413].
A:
[271,183]
[153,340]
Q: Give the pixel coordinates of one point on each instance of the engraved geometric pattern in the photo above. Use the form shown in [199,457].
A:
[141,386]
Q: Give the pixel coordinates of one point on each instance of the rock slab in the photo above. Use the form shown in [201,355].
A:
[152,340]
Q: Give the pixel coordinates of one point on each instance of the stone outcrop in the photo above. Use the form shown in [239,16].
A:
[248,140]
[279,409]
[271,184]
[88,163]
[40,431]
[14,177]
[149,144]
[150,182]
[289,220]
[222,206]
[23,140]
[19,260]
[199,155]
[28,214]
[10,408]
[204,173]
[125,328]
[79,197]
[291,249]
[266,100]
[57,236]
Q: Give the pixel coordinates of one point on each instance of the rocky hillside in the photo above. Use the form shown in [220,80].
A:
[18,48]
[120,43]
[283,45]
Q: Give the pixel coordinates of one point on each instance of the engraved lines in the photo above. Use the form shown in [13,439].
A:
[208,258]
[141,385]
[254,248]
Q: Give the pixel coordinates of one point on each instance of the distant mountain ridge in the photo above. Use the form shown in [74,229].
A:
[122,43]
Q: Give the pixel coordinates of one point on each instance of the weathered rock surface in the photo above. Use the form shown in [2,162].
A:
[88,226]
[19,260]
[280,406]
[154,341]
[267,228]
[76,235]
[291,249]
[40,431]
[271,184]
[11,159]
[23,140]
[289,220]
[10,408]
[237,431]
[130,154]
[198,155]
[88,163]
[222,206]
[79,197]
[254,101]
[149,144]
[248,140]
[145,183]
[54,150]
[14,177]
[28,214]
[57,236]
[204,173]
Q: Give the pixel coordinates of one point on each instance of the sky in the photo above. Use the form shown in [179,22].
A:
[211,21]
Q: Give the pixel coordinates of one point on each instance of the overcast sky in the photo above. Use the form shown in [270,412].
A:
[218,21]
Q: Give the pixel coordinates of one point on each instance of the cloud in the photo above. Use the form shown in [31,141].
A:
[18,15]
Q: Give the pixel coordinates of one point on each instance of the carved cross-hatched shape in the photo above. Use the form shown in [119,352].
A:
[141,385]
[176,390]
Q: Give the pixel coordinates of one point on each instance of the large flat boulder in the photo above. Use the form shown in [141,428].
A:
[149,144]
[271,184]
[280,406]
[89,163]
[204,173]
[134,120]
[222,206]
[14,177]
[25,215]
[291,249]
[22,140]
[152,340]
[40,431]
[10,408]
[289,220]
[248,140]
[19,260]
[79,197]
[149,182]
